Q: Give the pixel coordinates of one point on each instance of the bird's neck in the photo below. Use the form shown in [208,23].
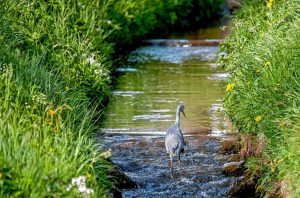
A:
[177,122]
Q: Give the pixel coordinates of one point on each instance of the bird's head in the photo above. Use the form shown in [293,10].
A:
[180,108]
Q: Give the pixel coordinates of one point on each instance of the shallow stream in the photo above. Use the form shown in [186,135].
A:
[155,79]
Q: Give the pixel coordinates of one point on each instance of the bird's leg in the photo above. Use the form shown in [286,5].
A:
[179,160]
[180,165]
[171,166]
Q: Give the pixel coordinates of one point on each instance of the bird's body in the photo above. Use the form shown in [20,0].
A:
[174,138]
[174,141]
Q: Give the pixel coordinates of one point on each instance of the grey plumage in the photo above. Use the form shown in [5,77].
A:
[174,139]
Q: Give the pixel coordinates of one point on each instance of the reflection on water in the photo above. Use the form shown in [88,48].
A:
[144,102]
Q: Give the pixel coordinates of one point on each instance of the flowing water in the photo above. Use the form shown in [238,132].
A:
[155,79]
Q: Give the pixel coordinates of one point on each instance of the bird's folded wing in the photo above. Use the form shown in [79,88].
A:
[172,142]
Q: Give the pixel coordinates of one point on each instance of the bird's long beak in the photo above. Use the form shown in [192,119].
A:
[183,114]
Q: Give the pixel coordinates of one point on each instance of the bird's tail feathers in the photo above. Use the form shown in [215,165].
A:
[175,148]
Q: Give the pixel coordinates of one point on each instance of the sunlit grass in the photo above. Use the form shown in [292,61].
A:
[262,56]
[44,142]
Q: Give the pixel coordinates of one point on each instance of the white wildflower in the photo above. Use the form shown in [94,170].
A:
[109,22]
[69,187]
[90,60]
[99,71]
[80,184]
[6,70]
[40,98]
[79,180]
[74,181]
[98,64]
[82,188]
[82,179]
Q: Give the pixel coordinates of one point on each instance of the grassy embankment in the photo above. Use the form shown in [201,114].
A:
[263,92]
[55,62]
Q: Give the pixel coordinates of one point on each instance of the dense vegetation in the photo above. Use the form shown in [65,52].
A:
[55,62]
[263,92]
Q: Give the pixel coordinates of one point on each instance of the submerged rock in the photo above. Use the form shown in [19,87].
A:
[211,145]
[233,168]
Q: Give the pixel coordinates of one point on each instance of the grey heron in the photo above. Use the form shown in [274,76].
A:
[174,139]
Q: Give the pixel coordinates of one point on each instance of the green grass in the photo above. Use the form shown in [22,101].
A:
[55,67]
[262,56]
[44,128]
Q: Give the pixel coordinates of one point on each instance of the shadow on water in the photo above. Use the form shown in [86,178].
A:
[149,89]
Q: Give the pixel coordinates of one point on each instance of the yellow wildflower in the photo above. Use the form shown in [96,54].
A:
[88,175]
[230,86]
[0,174]
[267,63]
[51,112]
[258,71]
[258,118]
[286,94]
[270,3]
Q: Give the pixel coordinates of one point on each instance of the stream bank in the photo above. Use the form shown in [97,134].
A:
[262,56]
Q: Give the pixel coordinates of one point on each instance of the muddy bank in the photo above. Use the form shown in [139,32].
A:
[246,185]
